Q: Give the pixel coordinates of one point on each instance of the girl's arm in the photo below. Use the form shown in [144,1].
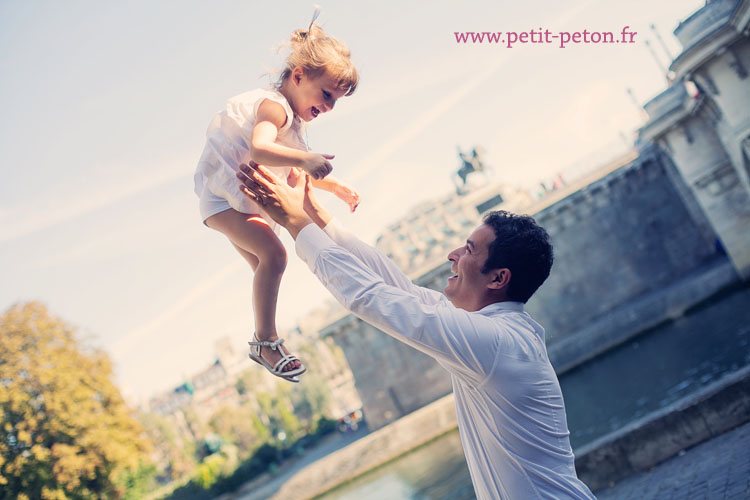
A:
[345,192]
[264,149]
[327,184]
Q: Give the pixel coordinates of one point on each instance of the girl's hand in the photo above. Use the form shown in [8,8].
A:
[348,194]
[317,165]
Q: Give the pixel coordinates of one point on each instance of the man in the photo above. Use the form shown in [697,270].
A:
[510,409]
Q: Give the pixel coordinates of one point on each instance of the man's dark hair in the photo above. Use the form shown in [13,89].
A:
[521,246]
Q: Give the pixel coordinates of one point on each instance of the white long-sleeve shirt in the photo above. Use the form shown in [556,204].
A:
[511,415]
[510,410]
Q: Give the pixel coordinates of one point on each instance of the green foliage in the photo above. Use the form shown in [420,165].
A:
[279,412]
[261,431]
[312,398]
[235,425]
[137,483]
[254,428]
[289,422]
[325,426]
[213,478]
[247,381]
[176,456]
[66,431]
[195,425]
[209,471]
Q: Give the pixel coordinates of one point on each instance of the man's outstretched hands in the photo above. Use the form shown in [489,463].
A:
[283,203]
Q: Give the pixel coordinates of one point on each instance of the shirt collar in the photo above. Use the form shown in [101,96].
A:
[495,307]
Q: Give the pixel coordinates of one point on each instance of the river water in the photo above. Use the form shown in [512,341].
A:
[643,375]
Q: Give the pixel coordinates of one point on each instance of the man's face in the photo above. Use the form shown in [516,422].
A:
[467,287]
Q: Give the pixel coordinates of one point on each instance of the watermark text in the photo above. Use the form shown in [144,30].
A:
[561,38]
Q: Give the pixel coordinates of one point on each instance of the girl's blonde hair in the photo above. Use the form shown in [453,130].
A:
[317,53]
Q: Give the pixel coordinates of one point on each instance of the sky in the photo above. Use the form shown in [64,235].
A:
[105,107]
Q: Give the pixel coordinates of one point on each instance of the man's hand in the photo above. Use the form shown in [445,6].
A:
[283,203]
[313,209]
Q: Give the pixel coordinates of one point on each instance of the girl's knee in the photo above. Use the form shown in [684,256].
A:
[275,259]
[280,260]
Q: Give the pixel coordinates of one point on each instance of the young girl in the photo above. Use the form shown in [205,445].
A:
[268,127]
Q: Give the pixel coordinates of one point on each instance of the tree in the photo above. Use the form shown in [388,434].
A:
[247,382]
[236,426]
[312,398]
[279,411]
[176,454]
[66,433]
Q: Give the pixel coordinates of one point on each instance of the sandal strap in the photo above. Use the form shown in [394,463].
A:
[265,343]
[281,364]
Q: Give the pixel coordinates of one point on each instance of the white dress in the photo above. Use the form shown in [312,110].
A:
[228,146]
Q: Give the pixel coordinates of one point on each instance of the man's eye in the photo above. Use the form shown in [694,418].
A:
[468,250]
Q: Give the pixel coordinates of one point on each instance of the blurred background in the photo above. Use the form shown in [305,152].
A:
[124,368]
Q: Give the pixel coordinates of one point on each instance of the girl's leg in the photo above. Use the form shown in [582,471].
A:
[265,253]
[250,258]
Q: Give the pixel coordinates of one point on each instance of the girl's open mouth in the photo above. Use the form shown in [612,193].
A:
[315,112]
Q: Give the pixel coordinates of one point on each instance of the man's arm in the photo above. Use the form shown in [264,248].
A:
[371,257]
[463,342]
[380,264]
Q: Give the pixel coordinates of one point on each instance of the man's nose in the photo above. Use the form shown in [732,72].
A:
[454,255]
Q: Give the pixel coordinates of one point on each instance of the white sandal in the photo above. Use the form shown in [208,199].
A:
[278,368]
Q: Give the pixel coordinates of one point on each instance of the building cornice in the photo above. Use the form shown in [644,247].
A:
[672,113]
[706,33]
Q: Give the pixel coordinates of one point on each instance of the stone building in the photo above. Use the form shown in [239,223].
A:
[206,390]
[637,241]
[703,120]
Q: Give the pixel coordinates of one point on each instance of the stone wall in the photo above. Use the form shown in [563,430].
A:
[372,450]
[627,245]
[622,237]
[645,443]
[391,378]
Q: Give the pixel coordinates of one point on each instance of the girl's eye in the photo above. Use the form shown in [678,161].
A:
[326,95]
[468,250]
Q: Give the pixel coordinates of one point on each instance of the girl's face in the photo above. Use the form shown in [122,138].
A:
[312,96]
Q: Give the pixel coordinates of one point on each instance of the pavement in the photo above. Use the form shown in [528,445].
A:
[718,469]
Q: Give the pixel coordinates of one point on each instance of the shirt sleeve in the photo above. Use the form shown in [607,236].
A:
[380,264]
[464,343]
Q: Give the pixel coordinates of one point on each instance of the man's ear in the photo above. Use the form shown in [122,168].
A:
[500,279]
